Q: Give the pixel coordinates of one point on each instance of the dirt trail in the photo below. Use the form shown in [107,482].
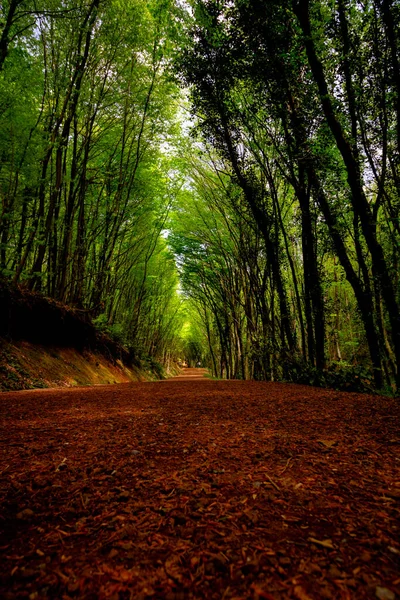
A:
[189,374]
[193,488]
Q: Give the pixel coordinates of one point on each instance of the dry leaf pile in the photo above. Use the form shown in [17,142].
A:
[199,489]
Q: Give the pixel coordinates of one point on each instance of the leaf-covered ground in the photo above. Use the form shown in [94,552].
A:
[199,489]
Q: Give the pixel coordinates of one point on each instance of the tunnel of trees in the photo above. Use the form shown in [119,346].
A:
[210,180]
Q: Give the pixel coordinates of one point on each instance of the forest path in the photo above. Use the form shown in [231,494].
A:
[189,373]
[199,489]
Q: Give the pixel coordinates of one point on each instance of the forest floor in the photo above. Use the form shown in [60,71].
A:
[194,488]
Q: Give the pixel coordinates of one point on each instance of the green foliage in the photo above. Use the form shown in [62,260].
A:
[86,108]
[115,330]
[339,375]
[269,230]
[296,104]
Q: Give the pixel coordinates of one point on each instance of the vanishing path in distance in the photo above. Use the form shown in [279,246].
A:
[194,488]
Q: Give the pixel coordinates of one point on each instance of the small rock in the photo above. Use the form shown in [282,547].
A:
[384,594]
[135,452]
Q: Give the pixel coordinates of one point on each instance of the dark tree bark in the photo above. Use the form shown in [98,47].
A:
[363,296]
[5,35]
[359,200]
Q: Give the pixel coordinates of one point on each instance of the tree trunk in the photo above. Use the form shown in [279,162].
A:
[359,200]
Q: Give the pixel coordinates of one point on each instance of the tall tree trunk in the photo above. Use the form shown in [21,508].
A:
[363,296]
[61,139]
[5,36]
[264,225]
[360,202]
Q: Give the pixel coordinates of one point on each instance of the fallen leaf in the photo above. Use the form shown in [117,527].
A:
[301,593]
[328,443]
[260,593]
[172,569]
[25,514]
[62,465]
[384,594]
[324,543]
[123,496]
[334,572]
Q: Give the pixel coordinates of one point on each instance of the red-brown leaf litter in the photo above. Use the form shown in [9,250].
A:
[193,488]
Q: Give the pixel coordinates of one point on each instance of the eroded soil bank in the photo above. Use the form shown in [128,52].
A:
[199,489]
[24,365]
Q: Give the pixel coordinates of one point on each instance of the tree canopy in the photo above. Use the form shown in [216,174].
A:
[212,181]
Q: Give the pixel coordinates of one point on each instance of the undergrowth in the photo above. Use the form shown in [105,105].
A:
[338,375]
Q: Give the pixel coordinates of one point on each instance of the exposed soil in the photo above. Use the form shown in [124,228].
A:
[24,365]
[44,343]
[199,489]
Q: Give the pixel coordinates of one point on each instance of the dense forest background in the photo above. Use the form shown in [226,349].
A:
[215,181]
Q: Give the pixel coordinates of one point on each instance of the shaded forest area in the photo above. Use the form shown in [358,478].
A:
[216,181]
[45,343]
